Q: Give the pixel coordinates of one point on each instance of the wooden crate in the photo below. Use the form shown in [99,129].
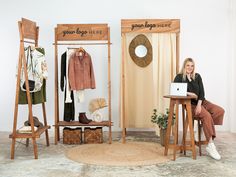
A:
[93,135]
[72,135]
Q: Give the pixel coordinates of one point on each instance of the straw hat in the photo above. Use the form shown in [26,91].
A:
[96,104]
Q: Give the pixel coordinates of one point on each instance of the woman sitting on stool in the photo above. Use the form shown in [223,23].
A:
[209,113]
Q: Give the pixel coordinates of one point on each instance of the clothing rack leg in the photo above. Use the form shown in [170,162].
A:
[55,134]
[35,148]
[27,142]
[110,136]
[13,147]
[27,139]
[58,134]
[123,135]
[16,102]
[45,123]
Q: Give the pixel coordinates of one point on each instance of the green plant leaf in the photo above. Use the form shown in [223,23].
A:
[161,119]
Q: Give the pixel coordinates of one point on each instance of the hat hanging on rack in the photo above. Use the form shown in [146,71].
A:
[94,107]
[96,104]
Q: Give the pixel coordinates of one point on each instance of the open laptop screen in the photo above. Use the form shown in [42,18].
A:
[178,89]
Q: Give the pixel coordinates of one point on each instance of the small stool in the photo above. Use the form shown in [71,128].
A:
[200,142]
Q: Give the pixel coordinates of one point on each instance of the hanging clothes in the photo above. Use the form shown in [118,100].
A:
[69,109]
[36,67]
[36,97]
[81,74]
[80,96]
[68,90]
[39,73]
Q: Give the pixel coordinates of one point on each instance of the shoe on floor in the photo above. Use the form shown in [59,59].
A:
[212,152]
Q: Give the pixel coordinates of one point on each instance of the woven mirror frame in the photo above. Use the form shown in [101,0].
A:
[137,41]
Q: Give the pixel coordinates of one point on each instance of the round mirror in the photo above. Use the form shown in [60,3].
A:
[141,51]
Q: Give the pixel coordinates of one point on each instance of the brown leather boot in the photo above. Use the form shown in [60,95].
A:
[83,118]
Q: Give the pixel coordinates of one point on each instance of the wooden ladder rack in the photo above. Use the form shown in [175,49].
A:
[28,34]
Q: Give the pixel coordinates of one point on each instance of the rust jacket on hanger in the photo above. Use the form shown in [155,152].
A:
[81,75]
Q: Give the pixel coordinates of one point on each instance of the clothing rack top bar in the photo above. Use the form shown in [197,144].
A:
[83,43]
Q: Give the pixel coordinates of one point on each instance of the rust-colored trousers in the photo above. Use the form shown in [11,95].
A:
[210,116]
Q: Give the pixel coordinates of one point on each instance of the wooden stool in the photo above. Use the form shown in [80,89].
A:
[185,101]
[200,142]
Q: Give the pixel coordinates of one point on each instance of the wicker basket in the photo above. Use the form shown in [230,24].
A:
[93,135]
[72,136]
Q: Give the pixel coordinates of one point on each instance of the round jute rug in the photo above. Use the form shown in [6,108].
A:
[118,154]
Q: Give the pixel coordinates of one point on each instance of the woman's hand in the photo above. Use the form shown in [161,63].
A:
[192,94]
[198,109]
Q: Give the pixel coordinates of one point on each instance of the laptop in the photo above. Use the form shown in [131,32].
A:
[178,89]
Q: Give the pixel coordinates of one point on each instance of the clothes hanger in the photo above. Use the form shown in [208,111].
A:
[80,51]
[32,47]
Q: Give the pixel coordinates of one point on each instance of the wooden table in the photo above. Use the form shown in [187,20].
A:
[185,101]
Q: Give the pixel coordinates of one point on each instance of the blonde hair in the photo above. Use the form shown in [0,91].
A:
[183,70]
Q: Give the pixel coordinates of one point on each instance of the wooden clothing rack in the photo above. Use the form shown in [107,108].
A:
[140,26]
[29,33]
[66,34]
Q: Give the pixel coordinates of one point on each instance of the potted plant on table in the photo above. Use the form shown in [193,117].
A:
[161,119]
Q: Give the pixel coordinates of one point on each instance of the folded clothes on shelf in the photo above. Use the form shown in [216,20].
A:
[26,129]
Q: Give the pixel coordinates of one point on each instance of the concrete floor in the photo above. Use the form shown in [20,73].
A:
[53,163]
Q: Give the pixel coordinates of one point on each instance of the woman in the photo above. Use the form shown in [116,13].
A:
[209,113]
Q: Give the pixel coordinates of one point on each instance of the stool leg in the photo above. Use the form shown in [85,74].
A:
[184,135]
[190,122]
[185,131]
[199,137]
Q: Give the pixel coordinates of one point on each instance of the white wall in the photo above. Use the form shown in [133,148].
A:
[232,87]
[205,36]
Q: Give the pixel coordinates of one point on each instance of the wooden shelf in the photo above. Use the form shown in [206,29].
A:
[77,123]
[29,135]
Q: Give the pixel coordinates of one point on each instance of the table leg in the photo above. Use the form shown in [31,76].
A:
[169,127]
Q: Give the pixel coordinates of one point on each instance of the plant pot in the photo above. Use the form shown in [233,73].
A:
[162,136]
[157,130]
